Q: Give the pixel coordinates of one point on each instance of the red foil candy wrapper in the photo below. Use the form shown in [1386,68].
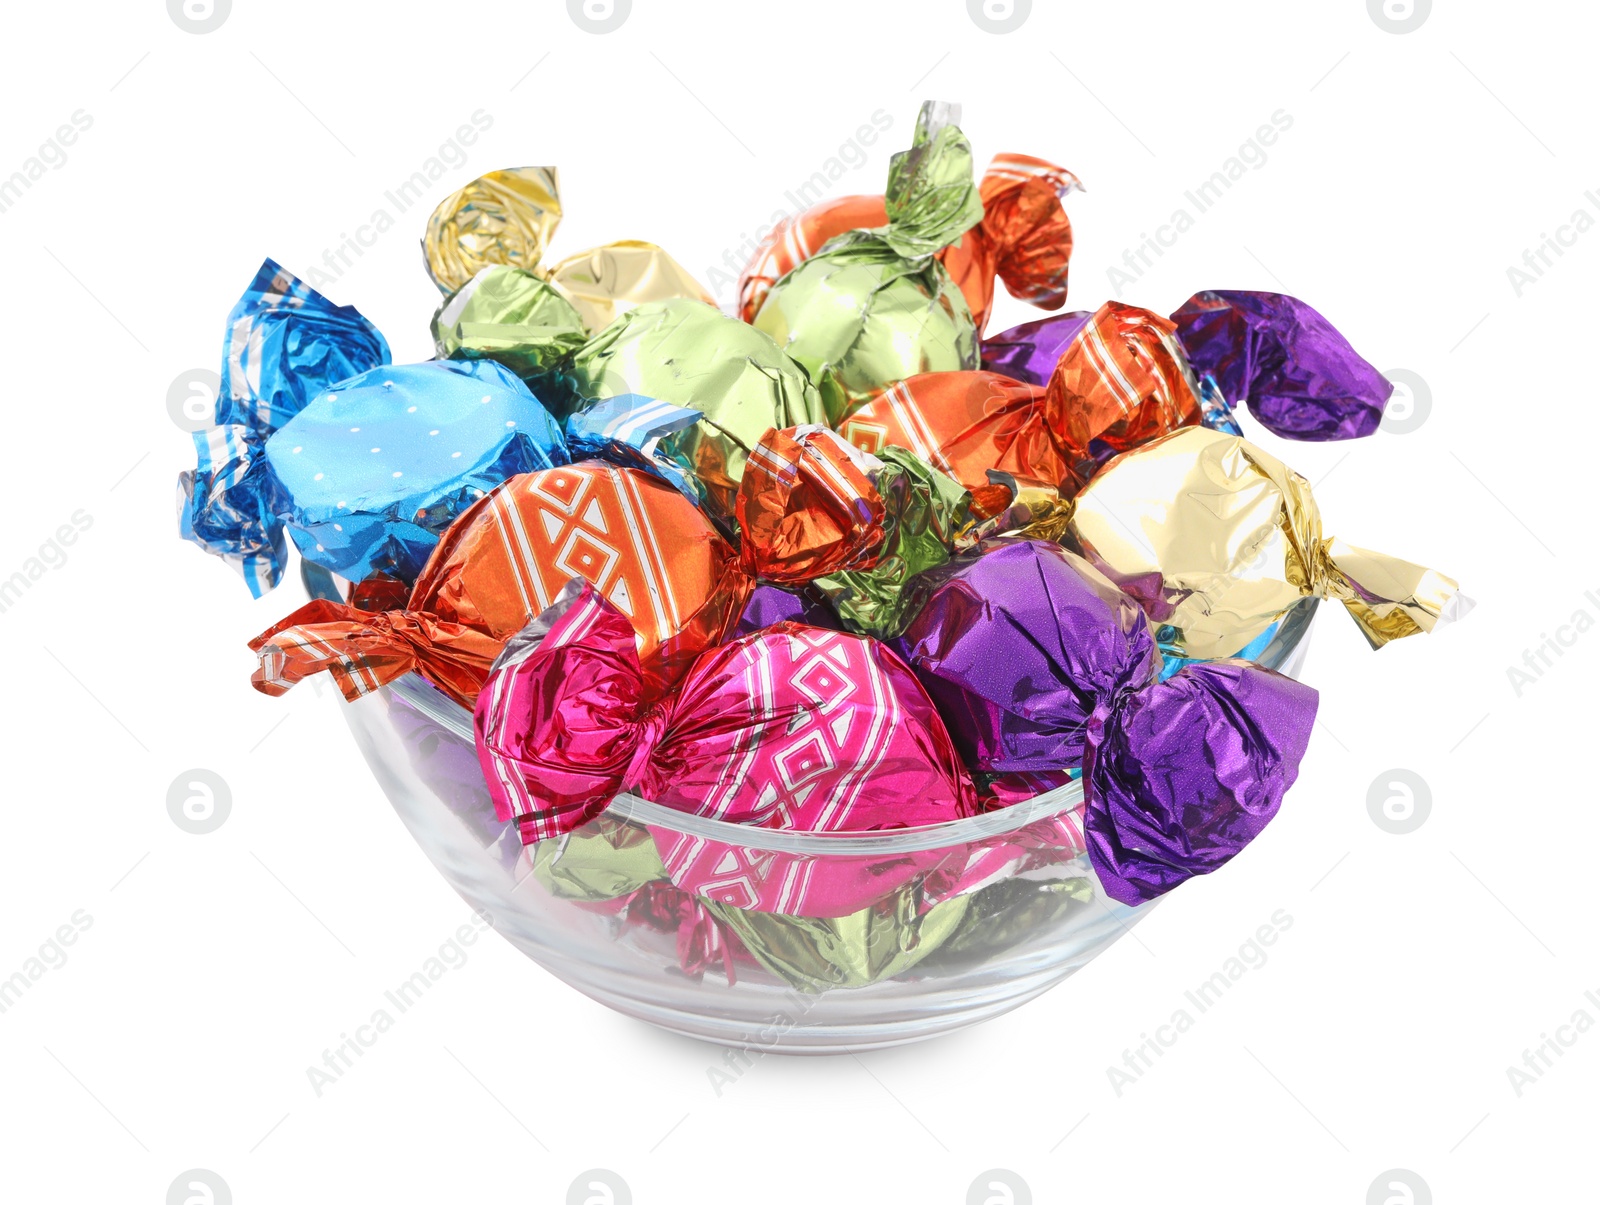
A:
[790,728]
[647,548]
[1025,239]
[967,424]
[1122,381]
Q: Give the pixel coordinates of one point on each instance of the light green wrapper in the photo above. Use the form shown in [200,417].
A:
[925,512]
[848,951]
[599,861]
[875,306]
[691,354]
[512,316]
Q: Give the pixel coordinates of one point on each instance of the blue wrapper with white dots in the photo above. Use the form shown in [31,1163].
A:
[375,469]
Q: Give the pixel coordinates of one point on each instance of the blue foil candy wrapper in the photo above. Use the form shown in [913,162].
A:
[285,344]
[1039,663]
[1299,376]
[627,430]
[375,469]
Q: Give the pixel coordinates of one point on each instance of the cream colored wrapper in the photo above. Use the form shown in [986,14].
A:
[1217,539]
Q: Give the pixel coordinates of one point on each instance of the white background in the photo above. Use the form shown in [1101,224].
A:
[1419,167]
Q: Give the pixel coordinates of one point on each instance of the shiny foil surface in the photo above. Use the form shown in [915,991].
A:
[511,316]
[1216,539]
[375,469]
[875,306]
[1039,663]
[807,507]
[926,513]
[1029,352]
[1122,381]
[1299,376]
[1024,238]
[504,217]
[692,355]
[285,344]
[647,548]
[608,281]
[791,727]
[972,426]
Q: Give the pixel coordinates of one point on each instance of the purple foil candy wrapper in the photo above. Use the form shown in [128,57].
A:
[1299,376]
[1029,352]
[771,604]
[1039,663]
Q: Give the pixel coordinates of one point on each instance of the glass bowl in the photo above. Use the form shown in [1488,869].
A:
[790,942]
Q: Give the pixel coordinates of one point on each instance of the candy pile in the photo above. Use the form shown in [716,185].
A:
[838,562]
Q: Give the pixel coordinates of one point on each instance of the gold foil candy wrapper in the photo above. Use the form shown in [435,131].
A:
[608,281]
[504,217]
[1217,539]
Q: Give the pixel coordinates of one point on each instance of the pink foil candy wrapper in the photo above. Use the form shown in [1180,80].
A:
[791,727]
[833,885]
[1038,663]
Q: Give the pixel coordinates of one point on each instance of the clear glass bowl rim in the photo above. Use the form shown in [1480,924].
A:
[422,696]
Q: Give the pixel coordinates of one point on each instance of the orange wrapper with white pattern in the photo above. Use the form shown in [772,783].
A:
[967,425]
[1025,239]
[1122,381]
[641,543]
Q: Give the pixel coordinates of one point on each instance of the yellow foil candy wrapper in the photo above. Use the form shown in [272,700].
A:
[505,217]
[508,218]
[609,281]
[1217,539]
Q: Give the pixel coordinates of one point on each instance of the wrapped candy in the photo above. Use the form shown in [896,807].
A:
[286,343]
[687,354]
[375,469]
[1217,539]
[508,217]
[503,217]
[926,514]
[807,506]
[876,306]
[1039,663]
[1029,352]
[606,282]
[978,427]
[1299,376]
[1122,381]
[770,605]
[512,316]
[1024,238]
[504,561]
[791,727]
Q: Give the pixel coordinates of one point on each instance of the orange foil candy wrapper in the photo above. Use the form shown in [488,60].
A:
[1025,239]
[1121,382]
[968,425]
[788,728]
[641,542]
[808,510]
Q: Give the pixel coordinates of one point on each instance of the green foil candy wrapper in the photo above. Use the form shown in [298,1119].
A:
[600,861]
[510,315]
[925,514]
[875,943]
[691,354]
[875,306]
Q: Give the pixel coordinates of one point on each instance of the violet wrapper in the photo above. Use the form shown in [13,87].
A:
[1039,663]
[1299,376]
